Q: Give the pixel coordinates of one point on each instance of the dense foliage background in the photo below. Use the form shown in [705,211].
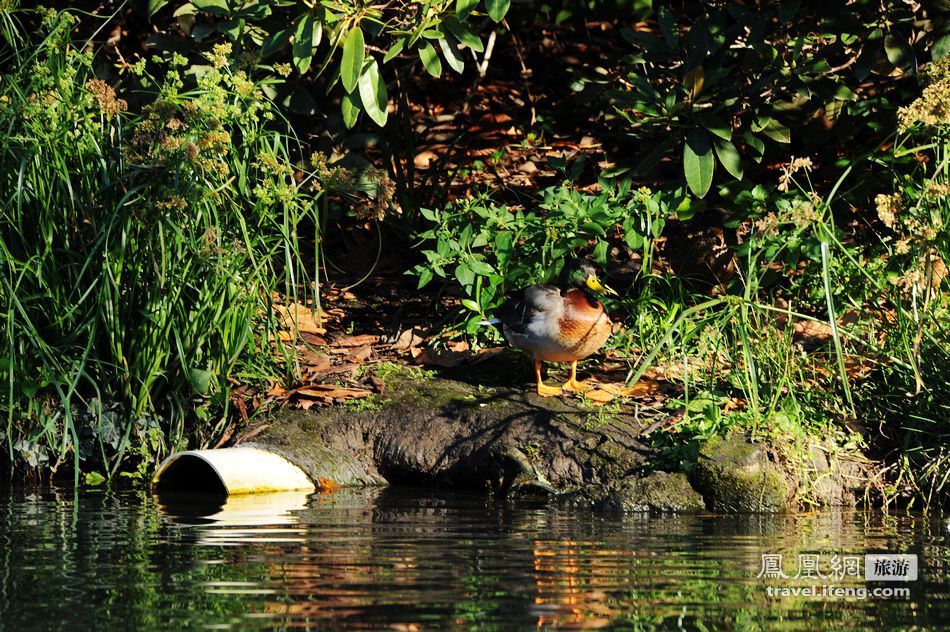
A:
[768,184]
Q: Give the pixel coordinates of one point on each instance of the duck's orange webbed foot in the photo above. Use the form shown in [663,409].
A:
[572,384]
[543,389]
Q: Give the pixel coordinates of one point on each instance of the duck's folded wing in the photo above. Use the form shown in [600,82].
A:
[524,305]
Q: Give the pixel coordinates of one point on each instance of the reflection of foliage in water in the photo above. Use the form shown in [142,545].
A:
[379,558]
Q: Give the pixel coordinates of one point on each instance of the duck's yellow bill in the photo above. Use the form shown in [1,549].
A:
[594,284]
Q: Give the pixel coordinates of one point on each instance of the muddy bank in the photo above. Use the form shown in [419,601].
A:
[450,434]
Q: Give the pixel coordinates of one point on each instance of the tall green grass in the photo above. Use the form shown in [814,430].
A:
[138,253]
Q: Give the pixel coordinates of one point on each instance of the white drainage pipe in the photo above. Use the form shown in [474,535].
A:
[230,471]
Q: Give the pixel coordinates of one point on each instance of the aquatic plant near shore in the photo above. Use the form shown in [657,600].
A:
[139,252]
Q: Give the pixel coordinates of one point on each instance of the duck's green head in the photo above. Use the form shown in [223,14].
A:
[581,273]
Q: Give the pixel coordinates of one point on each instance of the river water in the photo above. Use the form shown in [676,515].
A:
[401,559]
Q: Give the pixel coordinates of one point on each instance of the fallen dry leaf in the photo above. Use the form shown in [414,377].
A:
[313,339]
[315,361]
[424,158]
[356,341]
[599,396]
[362,354]
[300,318]
[378,384]
[332,392]
[225,437]
[250,434]
[603,393]
[408,339]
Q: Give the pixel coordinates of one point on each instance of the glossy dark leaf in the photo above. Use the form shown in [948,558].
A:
[154,6]
[214,7]
[463,34]
[698,162]
[497,9]
[729,157]
[354,50]
[350,106]
[450,51]
[430,59]
[303,44]
[373,94]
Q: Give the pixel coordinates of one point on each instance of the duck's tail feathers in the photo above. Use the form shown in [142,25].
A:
[490,321]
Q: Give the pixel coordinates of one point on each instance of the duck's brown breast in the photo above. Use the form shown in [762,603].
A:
[584,327]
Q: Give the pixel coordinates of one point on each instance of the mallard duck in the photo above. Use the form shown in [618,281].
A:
[557,323]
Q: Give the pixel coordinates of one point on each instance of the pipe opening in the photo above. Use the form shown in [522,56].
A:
[190,473]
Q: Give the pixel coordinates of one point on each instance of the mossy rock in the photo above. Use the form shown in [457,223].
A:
[658,491]
[451,433]
[734,475]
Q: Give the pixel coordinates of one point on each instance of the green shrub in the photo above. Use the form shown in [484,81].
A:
[491,249]
[715,85]
[355,40]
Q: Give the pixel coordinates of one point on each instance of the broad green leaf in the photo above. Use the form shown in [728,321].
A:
[303,44]
[694,80]
[464,274]
[592,228]
[154,6]
[464,7]
[450,51]
[424,277]
[185,9]
[463,34]
[94,479]
[373,94]
[729,157]
[844,93]
[633,239]
[430,59]
[668,26]
[718,126]
[275,42]
[394,50]
[759,123]
[898,51]
[833,110]
[778,132]
[201,380]
[468,303]
[497,9]
[756,146]
[354,49]
[480,267]
[214,7]
[232,28]
[350,107]
[698,162]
